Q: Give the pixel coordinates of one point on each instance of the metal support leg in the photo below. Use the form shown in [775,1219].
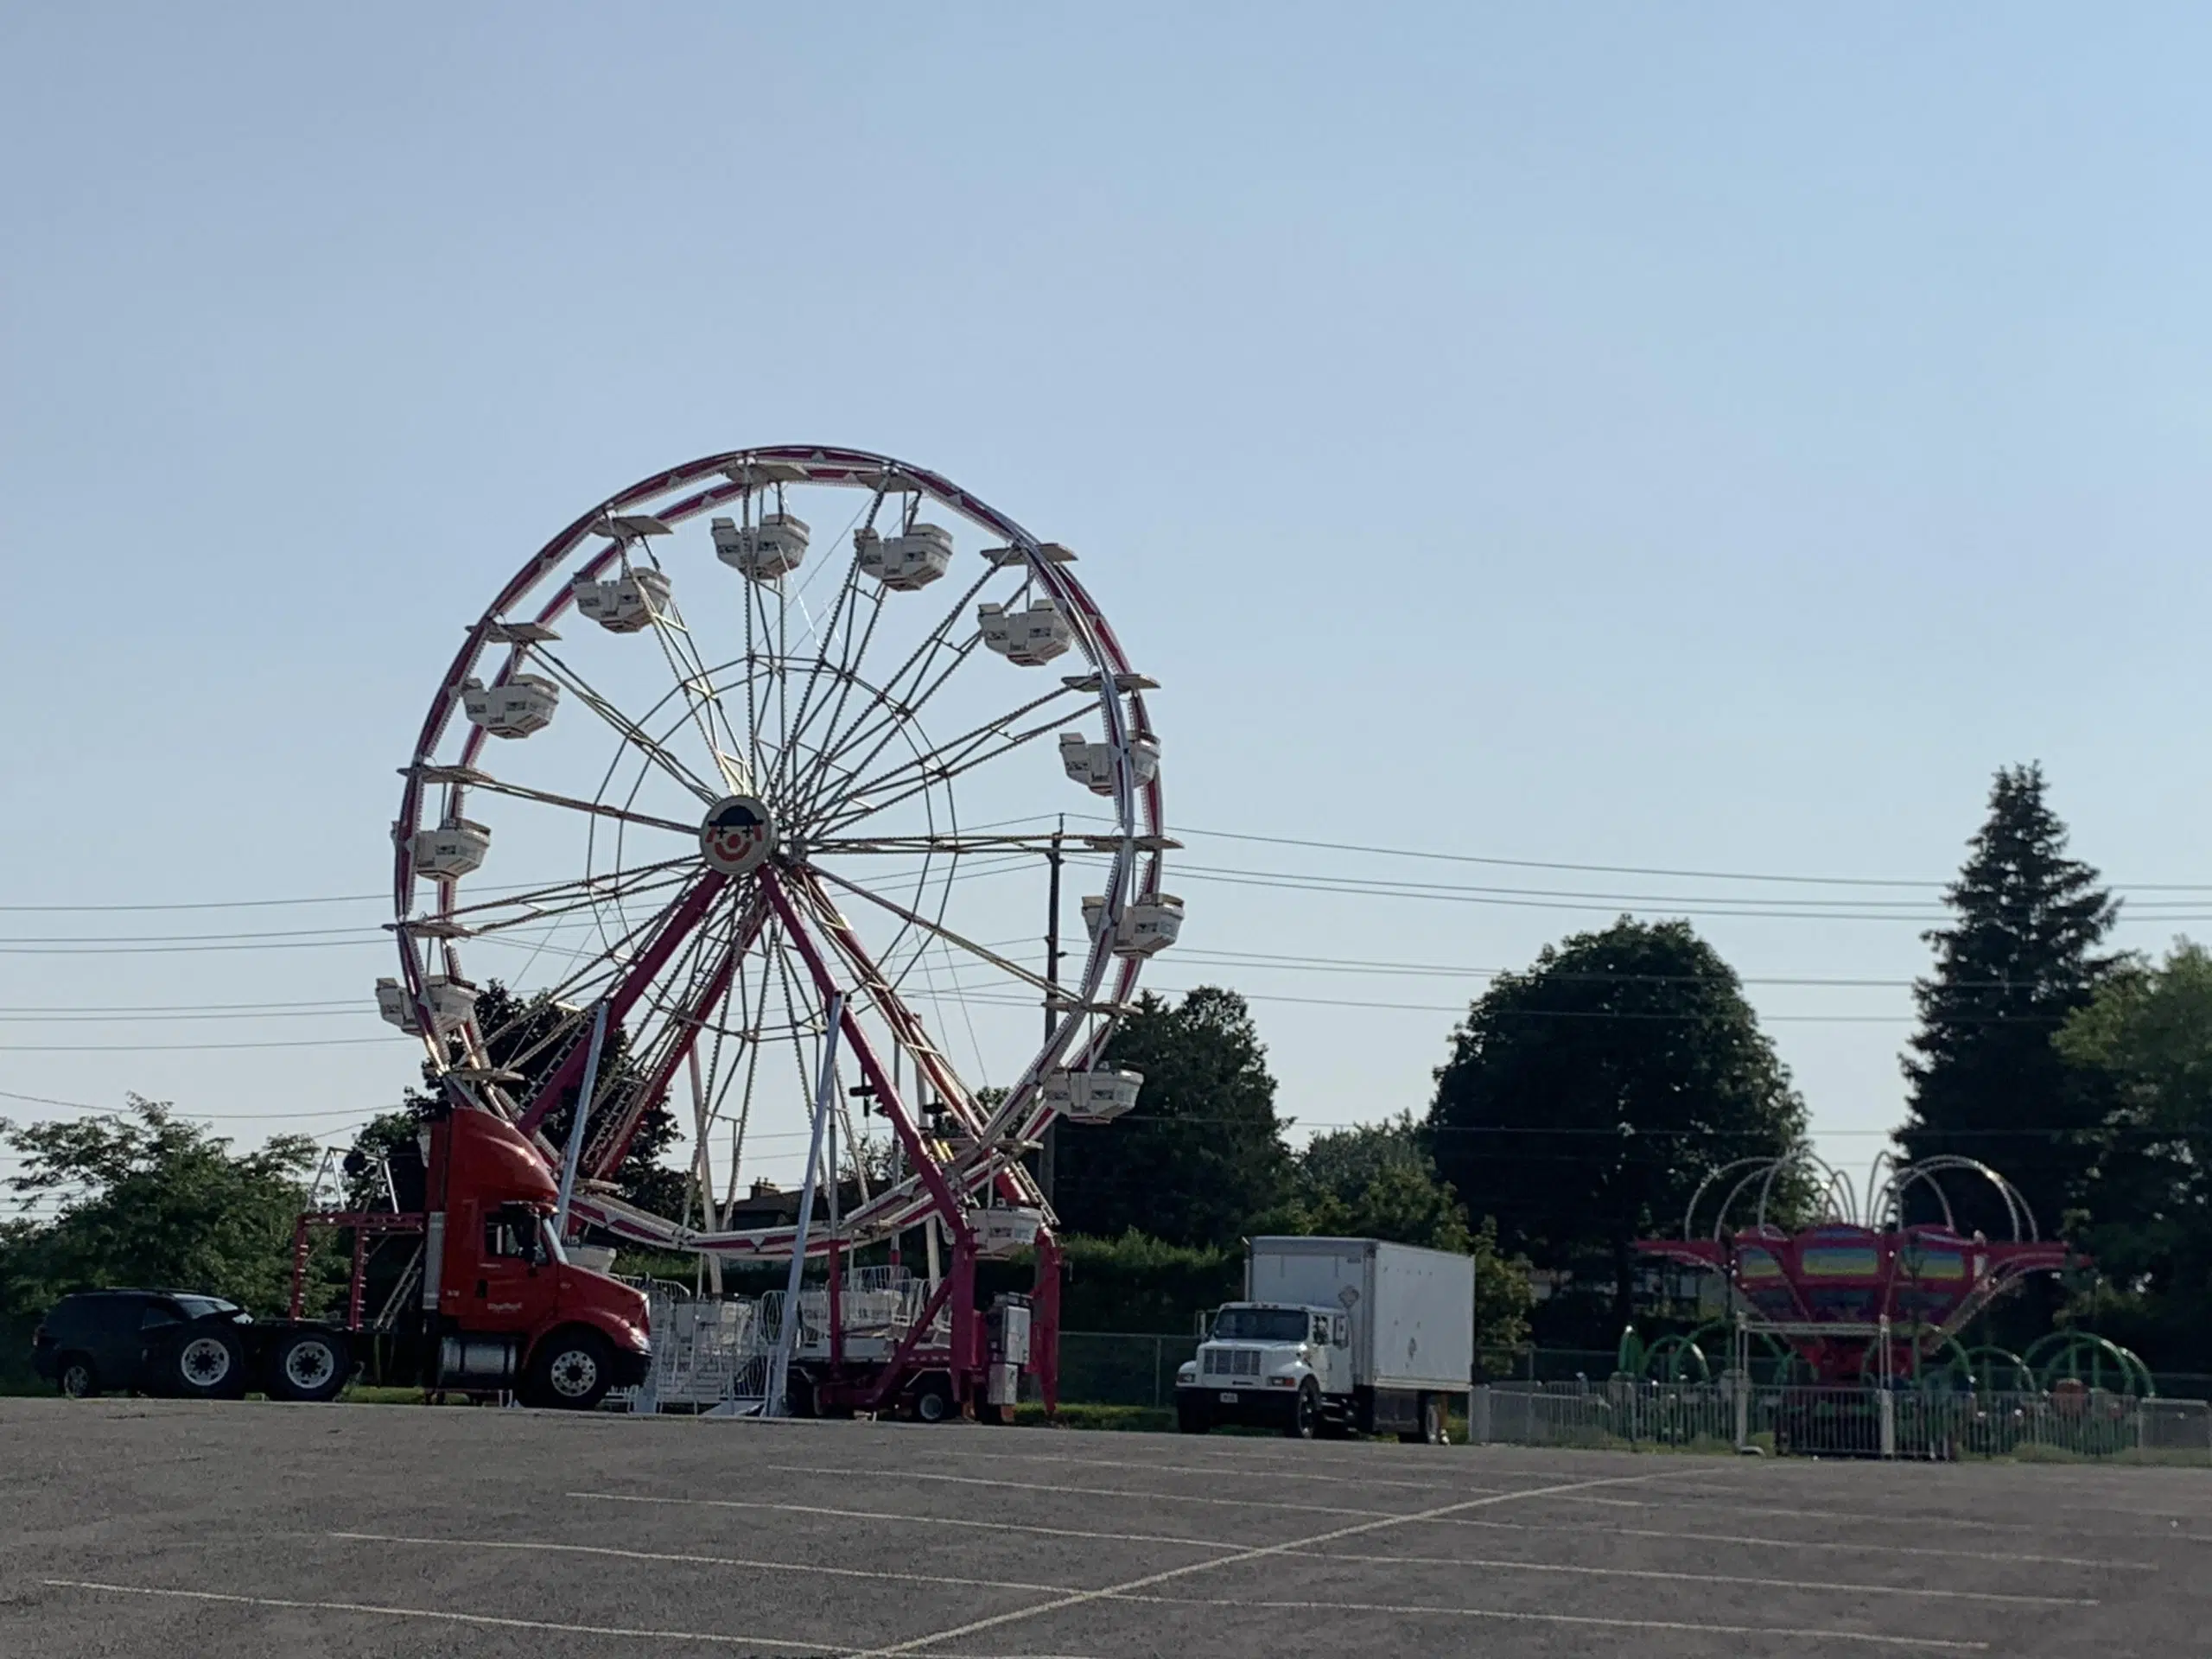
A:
[779,1367]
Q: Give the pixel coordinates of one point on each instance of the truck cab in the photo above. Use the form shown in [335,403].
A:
[512,1310]
[1278,1364]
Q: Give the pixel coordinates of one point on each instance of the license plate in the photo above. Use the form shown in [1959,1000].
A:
[1229,1396]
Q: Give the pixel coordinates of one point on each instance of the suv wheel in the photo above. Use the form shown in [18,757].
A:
[76,1377]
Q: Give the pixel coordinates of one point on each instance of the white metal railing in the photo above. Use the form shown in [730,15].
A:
[1845,1421]
[713,1351]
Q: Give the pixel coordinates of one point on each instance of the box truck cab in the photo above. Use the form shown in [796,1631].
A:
[1337,1335]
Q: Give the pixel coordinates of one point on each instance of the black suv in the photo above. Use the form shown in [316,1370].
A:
[150,1341]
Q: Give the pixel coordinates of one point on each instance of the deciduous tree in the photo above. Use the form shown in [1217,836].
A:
[1585,1097]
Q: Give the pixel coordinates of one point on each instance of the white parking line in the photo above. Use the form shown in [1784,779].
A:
[438,1614]
[444,1617]
[809,1568]
[1261,1474]
[1261,1552]
[928,1520]
[1823,1587]
[1079,1491]
[1587,1620]
[1826,1586]
[1762,1542]
[1810,1515]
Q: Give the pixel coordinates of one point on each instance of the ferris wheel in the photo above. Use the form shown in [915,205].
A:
[745,795]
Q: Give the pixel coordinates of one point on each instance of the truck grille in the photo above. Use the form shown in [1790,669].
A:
[1229,1362]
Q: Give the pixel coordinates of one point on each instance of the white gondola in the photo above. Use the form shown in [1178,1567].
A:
[447,851]
[1000,1233]
[914,558]
[1148,925]
[1092,1097]
[522,705]
[1091,764]
[1030,637]
[763,551]
[623,604]
[452,1000]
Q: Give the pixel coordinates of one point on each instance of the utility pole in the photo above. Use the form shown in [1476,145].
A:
[1044,1156]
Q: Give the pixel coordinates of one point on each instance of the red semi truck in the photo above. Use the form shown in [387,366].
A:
[489,1301]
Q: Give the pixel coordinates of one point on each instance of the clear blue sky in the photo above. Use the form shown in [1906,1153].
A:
[1710,437]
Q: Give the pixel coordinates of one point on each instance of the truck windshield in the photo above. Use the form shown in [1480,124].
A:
[1260,1324]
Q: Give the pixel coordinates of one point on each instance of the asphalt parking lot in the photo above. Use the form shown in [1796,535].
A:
[137,1528]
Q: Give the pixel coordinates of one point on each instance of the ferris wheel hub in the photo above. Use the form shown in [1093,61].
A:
[738,835]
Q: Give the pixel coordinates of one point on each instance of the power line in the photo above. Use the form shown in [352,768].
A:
[167,1048]
[1620,869]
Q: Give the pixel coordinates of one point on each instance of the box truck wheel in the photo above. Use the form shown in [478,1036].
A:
[1304,1412]
[310,1365]
[1431,1432]
[1190,1417]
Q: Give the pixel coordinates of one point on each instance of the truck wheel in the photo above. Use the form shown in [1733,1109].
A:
[1304,1412]
[309,1365]
[199,1364]
[570,1371]
[933,1399]
[1431,1432]
[76,1377]
[1190,1417]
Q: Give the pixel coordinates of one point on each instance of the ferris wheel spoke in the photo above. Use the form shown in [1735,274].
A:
[840,611]
[707,984]
[598,969]
[697,686]
[627,729]
[984,953]
[899,716]
[606,887]
[904,1122]
[957,755]
[800,785]
[922,846]
[906,1029]
[673,926]
[866,807]
[895,694]
[575,803]
[585,904]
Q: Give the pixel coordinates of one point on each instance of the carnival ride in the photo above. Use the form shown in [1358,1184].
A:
[1863,1293]
[726,852]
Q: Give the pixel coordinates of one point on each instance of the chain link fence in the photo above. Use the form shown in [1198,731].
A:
[1113,1368]
[2060,1426]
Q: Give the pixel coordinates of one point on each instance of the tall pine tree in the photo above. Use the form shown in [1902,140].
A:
[2022,957]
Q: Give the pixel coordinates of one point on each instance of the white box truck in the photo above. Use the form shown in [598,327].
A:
[1334,1337]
